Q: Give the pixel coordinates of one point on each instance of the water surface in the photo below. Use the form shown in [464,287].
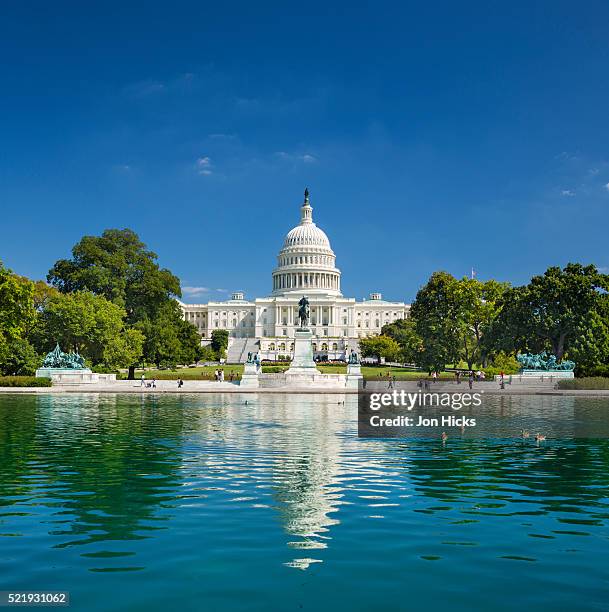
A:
[204,502]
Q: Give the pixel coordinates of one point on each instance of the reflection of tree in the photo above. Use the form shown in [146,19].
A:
[114,462]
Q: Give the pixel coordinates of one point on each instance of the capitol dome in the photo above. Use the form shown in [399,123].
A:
[306,263]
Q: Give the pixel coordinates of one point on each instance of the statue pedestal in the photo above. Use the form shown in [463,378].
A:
[536,378]
[547,374]
[67,376]
[354,375]
[249,378]
[303,353]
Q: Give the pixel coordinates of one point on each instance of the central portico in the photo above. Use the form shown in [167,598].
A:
[306,265]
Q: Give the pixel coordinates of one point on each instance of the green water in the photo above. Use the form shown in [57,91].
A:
[203,502]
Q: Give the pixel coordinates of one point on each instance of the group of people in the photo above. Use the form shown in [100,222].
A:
[152,383]
[478,375]
[219,375]
[147,385]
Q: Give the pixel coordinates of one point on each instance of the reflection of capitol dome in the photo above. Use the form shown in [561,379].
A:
[306,262]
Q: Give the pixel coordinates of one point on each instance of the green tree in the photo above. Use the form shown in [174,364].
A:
[476,308]
[119,267]
[207,354]
[82,322]
[452,318]
[219,342]
[16,304]
[436,322]
[190,342]
[17,315]
[563,311]
[404,332]
[379,347]
[124,350]
[18,358]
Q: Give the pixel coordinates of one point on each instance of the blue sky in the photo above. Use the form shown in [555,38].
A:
[432,136]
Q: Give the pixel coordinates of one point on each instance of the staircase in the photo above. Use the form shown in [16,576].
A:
[251,346]
[235,348]
[238,348]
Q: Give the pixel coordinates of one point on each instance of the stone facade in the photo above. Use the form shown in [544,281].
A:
[306,265]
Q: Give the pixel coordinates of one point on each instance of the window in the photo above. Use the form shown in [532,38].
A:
[282,346]
[272,346]
[334,346]
[324,347]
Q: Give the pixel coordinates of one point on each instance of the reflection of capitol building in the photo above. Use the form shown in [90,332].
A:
[306,265]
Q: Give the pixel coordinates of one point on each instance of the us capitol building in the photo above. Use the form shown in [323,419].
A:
[306,265]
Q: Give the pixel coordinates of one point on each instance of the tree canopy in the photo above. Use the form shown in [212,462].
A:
[379,347]
[563,311]
[452,317]
[118,266]
[17,314]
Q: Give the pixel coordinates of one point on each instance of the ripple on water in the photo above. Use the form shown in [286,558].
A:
[204,493]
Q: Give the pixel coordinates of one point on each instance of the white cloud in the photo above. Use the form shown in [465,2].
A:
[204,166]
[569,193]
[306,158]
[607,186]
[142,89]
[195,290]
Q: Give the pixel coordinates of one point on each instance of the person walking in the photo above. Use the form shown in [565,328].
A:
[180,383]
[154,383]
[470,379]
[143,381]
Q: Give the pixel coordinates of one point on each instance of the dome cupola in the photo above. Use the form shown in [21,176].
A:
[306,261]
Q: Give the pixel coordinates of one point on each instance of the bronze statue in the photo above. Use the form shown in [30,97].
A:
[303,312]
[58,359]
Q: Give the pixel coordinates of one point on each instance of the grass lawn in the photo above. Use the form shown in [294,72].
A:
[207,372]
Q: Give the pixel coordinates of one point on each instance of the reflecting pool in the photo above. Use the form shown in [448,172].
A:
[272,502]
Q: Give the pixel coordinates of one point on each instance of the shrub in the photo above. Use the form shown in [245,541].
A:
[103,369]
[24,381]
[594,371]
[590,383]
[273,369]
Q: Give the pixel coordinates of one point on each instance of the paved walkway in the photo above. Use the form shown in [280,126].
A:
[205,386]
